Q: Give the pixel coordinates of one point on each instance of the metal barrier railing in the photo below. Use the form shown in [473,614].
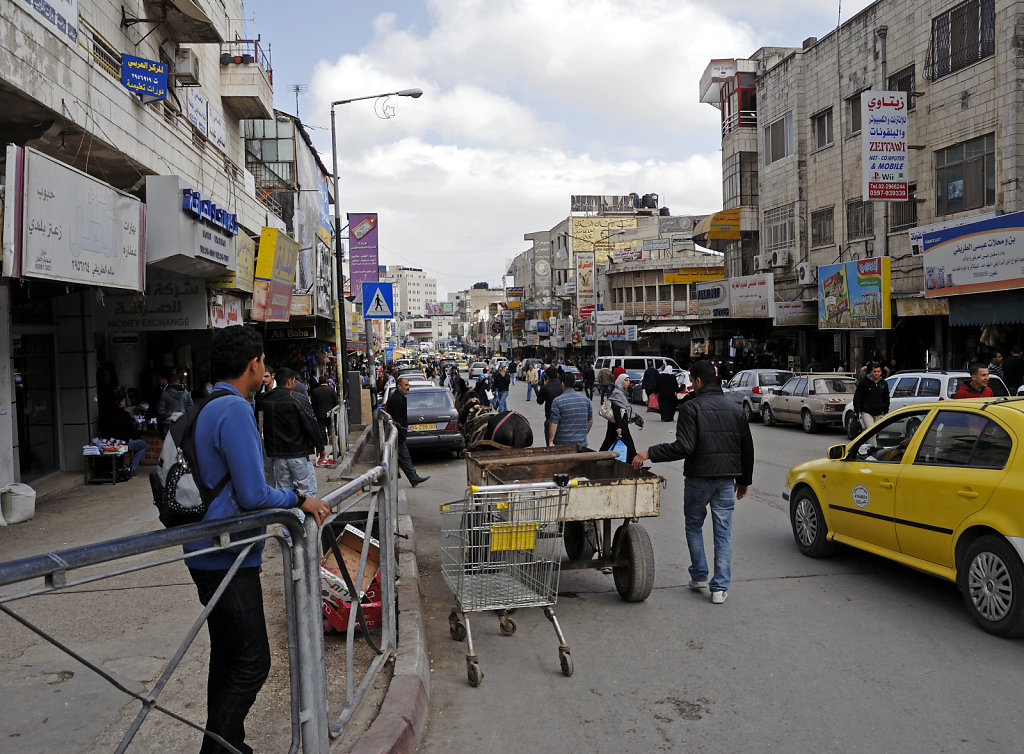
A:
[337,422]
[310,727]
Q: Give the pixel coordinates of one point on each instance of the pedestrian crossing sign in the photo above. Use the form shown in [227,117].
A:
[378,301]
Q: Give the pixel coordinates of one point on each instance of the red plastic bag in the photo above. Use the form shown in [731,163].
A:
[652,403]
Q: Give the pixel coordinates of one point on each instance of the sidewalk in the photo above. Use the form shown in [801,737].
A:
[131,625]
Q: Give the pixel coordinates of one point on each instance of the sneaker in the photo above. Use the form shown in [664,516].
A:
[718,598]
[695,585]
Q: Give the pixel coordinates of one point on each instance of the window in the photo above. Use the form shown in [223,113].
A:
[778,139]
[905,387]
[888,441]
[860,221]
[739,102]
[958,438]
[823,227]
[789,387]
[801,388]
[778,228]
[904,214]
[903,81]
[929,388]
[965,175]
[853,109]
[822,123]
[961,36]
[739,180]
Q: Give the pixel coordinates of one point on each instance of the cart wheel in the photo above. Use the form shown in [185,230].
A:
[474,673]
[634,580]
[456,628]
[508,626]
[565,660]
[575,538]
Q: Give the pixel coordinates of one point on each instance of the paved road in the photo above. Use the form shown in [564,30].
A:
[849,653]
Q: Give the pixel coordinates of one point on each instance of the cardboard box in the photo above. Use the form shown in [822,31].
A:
[338,619]
[336,599]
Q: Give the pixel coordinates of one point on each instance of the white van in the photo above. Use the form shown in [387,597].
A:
[635,363]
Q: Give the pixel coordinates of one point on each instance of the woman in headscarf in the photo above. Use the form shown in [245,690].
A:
[619,428]
[667,387]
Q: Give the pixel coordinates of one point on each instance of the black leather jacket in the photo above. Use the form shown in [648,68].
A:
[289,428]
[713,437]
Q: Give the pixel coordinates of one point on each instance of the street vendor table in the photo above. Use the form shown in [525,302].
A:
[103,468]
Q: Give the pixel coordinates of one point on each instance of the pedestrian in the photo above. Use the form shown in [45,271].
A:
[667,388]
[398,408]
[996,365]
[871,398]
[714,440]
[977,386]
[588,380]
[532,377]
[162,379]
[228,445]
[481,388]
[455,382]
[290,434]
[622,411]
[572,415]
[175,401]
[1013,370]
[605,382]
[551,388]
[323,398]
[120,425]
[512,371]
[650,382]
[501,384]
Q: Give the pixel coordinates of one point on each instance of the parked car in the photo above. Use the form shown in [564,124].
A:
[414,385]
[476,369]
[539,363]
[935,487]
[747,386]
[909,387]
[433,420]
[634,363]
[636,386]
[578,384]
[809,400]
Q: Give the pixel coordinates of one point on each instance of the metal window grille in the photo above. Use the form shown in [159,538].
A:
[904,81]
[102,51]
[823,227]
[860,219]
[904,214]
[962,36]
[778,228]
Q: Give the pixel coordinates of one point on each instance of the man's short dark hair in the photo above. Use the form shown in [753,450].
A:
[976,366]
[232,349]
[284,374]
[704,371]
[871,366]
[568,379]
[268,368]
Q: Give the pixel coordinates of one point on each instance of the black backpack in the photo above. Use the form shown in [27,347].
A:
[178,490]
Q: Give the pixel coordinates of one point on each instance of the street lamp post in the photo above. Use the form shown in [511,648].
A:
[340,337]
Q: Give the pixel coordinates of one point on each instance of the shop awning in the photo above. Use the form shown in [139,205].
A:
[999,308]
[720,226]
[665,329]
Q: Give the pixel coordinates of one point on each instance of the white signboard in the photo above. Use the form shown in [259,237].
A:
[615,332]
[713,300]
[657,244]
[984,256]
[226,311]
[884,145]
[196,109]
[752,296]
[917,234]
[218,132]
[78,229]
[59,16]
[609,316]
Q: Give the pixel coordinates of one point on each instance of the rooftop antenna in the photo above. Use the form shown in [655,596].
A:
[297,88]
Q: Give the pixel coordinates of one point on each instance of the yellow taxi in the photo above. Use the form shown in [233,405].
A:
[937,487]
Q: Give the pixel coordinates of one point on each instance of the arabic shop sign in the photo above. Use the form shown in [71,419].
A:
[275,276]
[983,256]
[206,211]
[185,233]
[146,78]
[169,304]
[72,227]
[884,145]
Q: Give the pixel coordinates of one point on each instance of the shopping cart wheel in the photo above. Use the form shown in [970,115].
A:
[565,660]
[634,580]
[456,628]
[473,672]
[508,626]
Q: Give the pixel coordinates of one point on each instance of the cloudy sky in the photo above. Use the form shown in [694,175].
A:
[525,103]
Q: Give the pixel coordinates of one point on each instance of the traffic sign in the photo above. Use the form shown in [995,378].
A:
[389,355]
[586,312]
[378,301]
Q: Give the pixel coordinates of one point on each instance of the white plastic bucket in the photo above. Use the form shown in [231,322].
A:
[18,503]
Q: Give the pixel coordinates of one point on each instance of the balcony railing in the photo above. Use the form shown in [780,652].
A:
[742,119]
[247,51]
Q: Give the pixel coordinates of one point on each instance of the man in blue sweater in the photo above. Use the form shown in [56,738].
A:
[228,442]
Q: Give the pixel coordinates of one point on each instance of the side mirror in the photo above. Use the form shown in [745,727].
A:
[810,392]
[837,453]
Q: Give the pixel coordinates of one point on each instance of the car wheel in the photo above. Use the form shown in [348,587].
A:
[808,423]
[809,528]
[749,414]
[992,582]
[768,416]
[852,427]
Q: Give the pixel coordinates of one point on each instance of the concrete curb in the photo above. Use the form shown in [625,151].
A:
[403,714]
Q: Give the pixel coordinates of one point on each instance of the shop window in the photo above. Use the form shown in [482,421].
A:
[822,124]
[965,175]
[962,36]
[823,227]
[860,219]
[778,139]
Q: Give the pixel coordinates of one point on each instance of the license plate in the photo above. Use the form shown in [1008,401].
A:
[421,427]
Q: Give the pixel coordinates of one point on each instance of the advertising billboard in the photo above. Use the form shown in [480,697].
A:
[855,295]
[362,251]
[884,145]
[982,256]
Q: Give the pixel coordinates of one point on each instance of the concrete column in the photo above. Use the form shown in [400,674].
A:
[8,416]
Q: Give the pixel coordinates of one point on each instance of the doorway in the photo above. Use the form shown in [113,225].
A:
[36,403]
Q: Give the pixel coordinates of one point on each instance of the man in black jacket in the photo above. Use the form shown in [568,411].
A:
[398,408]
[714,439]
[1013,370]
[324,398]
[551,389]
[290,434]
[871,399]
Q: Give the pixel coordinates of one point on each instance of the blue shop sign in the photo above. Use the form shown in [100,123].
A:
[206,211]
[146,78]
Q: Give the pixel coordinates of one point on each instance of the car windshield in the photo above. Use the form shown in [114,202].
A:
[774,378]
[429,400]
[835,385]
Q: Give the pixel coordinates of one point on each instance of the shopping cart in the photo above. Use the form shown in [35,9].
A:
[500,550]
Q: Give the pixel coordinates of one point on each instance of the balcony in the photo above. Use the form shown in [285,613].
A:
[247,79]
[741,119]
[183,20]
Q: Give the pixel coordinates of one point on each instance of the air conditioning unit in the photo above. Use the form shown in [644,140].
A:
[806,274]
[186,67]
[762,262]
[780,258]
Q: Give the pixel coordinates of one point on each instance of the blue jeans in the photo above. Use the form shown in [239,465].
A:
[295,474]
[138,449]
[721,496]
[239,653]
[500,400]
[530,386]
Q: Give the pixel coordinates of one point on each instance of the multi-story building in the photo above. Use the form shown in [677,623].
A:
[795,119]
[414,290]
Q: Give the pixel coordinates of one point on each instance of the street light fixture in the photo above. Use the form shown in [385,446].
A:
[340,337]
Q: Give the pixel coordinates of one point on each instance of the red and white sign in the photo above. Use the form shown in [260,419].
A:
[884,145]
[586,312]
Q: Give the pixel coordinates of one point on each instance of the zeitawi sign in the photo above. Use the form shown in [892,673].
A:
[75,228]
[884,145]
